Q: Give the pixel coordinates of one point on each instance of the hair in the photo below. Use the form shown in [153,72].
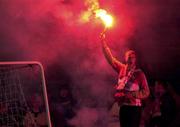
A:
[162,83]
[130,52]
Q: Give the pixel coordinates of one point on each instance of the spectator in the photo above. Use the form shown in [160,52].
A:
[163,107]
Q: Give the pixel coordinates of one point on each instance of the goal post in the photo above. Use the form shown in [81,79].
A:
[23,95]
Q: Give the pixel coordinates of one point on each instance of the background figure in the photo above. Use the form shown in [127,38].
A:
[162,108]
[63,108]
[176,96]
[131,88]
[37,115]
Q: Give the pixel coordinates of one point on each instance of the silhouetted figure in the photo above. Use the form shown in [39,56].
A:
[163,107]
[63,108]
[37,116]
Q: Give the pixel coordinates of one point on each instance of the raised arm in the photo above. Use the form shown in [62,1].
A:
[117,65]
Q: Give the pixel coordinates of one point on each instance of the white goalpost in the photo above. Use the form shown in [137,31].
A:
[23,95]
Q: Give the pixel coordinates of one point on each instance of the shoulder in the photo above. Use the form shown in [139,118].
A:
[120,67]
[140,73]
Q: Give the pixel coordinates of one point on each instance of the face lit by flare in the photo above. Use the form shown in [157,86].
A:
[130,57]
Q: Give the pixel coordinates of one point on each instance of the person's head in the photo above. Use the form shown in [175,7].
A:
[64,92]
[36,100]
[130,57]
[159,88]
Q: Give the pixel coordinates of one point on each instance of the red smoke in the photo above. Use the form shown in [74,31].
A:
[45,30]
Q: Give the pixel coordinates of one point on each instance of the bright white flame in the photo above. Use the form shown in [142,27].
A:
[106,18]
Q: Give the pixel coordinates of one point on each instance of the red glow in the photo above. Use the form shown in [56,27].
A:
[55,30]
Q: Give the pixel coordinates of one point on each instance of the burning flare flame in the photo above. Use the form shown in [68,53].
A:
[94,11]
[106,18]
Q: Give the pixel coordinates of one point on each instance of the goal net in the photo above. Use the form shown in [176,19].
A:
[23,98]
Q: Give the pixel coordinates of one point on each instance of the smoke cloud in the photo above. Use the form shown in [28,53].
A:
[52,32]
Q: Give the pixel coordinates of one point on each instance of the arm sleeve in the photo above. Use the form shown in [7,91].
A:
[117,65]
[144,89]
